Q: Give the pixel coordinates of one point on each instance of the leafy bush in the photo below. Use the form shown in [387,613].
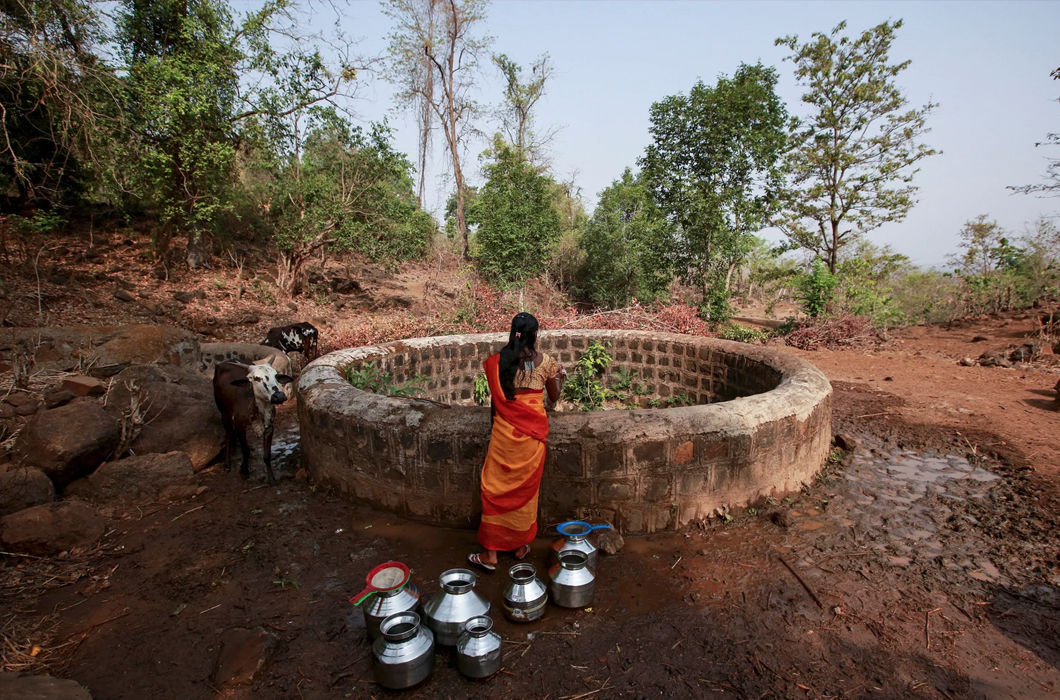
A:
[742,334]
[815,290]
[482,390]
[584,387]
[370,377]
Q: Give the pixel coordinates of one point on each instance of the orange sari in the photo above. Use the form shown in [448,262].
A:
[515,460]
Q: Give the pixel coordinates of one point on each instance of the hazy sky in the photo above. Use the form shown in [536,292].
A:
[987,64]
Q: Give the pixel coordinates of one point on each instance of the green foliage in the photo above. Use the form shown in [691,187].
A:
[517,224]
[815,289]
[42,222]
[625,245]
[852,161]
[370,377]
[61,113]
[865,285]
[742,334]
[584,387]
[182,85]
[520,97]
[482,390]
[714,170]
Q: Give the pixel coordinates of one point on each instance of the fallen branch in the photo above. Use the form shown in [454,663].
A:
[800,580]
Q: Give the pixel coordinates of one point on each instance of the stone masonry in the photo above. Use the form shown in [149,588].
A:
[762,427]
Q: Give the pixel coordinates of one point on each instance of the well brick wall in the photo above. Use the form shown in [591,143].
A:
[763,427]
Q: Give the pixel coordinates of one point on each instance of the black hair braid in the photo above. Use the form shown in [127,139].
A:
[522,340]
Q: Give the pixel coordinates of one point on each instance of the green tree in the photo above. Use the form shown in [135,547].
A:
[520,97]
[626,244]
[58,101]
[989,267]
[853,157]
[1051,186]
[517,224]
[713,168]
[199,83]
[346,190]
[434,61]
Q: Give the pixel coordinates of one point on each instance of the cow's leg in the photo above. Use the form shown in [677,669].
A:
[229,435]
[266,454]
[244,468]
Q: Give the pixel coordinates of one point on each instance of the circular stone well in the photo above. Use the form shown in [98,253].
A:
[762,427]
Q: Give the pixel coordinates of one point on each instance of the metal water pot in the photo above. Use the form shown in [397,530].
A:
[388,591]
[384,604]
[446,611]
[478,651]
[573,584]
[525,595]
[404,653]
[576,537]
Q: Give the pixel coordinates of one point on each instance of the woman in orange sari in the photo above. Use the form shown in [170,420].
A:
[518,378]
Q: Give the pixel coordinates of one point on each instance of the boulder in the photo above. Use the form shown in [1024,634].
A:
[26,687]
[84,386]
[68,442]
[1027,352]
[64,349]
[148,344]
[23,404]
[51,528]
[24,487]
[177,411]
[141,479]
[57,396]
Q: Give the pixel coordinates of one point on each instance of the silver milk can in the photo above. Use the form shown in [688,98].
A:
[447,611]
[525,595]
[388,591]
[478,652]
[386,603]
[575,535]
[404,653]
[573,583]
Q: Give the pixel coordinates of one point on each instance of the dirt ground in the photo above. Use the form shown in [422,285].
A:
[925,564]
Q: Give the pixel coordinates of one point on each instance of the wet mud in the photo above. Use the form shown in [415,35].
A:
[903,572]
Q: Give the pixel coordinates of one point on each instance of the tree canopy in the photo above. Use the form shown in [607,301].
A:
[852,164]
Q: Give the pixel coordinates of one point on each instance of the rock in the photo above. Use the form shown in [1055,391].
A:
[136,479]
[610,541]
[979,338]
[148,344]
[343,285]
[177,409]
[122,295]
[64,349]
[26,687]
[70,441]
[6,411]
[24,487]
[1027,352]
[888,379]
[51,528]
[244,654]
[81,385]
[966,362]
[845,442]
[188,297]
[57,396]
[23,404]
[993,358]
[106,371]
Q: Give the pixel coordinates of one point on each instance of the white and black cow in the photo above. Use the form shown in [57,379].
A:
[297,337]
[245,394]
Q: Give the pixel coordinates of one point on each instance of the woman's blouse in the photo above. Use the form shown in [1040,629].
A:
[536,377]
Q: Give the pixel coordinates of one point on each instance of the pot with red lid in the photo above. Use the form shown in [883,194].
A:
[388,591]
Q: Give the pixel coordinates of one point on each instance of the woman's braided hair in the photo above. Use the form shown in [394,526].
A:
[522,340]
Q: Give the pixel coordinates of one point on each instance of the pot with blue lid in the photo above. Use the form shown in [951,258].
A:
[575,537]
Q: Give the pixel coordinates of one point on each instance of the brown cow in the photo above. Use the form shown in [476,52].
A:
[245,394]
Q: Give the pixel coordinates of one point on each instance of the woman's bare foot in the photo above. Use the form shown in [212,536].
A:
[521,553]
